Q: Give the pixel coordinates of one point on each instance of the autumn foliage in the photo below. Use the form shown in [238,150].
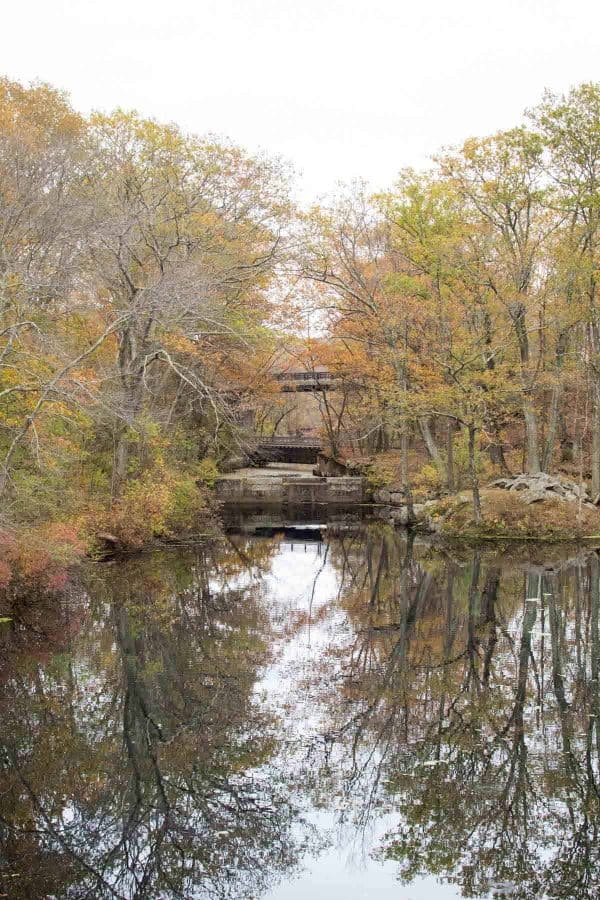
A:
[151,282]
[136,274]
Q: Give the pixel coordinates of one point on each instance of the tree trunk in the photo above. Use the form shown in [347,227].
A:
[532,459]
[450,456]
[532,451]
[496,451]
[121,462]
[402,377]
[473,475]
[404,470]
[595,459]
[132,398]
[430,444]
[557,391]
[567,444]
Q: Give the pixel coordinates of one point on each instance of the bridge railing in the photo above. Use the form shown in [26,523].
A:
[291,441]
[304,376]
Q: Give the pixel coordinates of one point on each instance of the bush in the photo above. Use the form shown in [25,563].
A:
[384,470]
[39,556]
[428,481]
[208,471]
[160,503]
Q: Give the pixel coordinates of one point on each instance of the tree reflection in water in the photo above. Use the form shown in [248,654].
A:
[454,698]
[471,713]
[135,751]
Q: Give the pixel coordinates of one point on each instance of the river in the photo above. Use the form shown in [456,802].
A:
[325,713]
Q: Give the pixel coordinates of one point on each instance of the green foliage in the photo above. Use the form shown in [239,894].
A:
[161,503]
[208,471]
[429,480]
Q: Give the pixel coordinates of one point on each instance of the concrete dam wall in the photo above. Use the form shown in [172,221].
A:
[279,486]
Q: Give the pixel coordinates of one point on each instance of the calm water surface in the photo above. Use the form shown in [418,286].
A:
[326,714]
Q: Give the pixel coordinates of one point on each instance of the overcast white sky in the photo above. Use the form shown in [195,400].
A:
[341,88]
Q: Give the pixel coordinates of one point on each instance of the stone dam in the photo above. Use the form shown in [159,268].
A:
[287,484]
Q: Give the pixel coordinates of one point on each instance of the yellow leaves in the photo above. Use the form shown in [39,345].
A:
[179,343]
[159,503]
[10,376]
[33,113]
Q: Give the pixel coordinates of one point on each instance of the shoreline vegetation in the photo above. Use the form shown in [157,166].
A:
[535,508]
[156,287]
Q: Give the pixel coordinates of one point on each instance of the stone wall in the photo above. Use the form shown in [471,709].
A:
[280,490]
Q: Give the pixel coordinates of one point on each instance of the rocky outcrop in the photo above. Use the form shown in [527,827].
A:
[327,466]
[399,514]
[509,507]
[541,487]
[395,510]
[393,496]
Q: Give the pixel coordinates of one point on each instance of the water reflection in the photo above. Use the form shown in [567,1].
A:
[135,753]
[471,706]
[213,724]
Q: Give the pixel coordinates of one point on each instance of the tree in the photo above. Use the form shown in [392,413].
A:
[184,236]
[569,127]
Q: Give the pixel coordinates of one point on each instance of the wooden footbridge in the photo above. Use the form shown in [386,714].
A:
[290,448]
[306,381]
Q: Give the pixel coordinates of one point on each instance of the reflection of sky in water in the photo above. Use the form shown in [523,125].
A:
[302,581]
[370,711]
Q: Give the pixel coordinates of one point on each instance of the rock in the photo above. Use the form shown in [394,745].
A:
[107,538]
[541,487]
[233,463]
[382,496]
[399,515]
[107,544]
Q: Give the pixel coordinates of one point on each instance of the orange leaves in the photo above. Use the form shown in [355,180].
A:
[5,573]
[160,503]
[180,343]
[40,555]
[65,535]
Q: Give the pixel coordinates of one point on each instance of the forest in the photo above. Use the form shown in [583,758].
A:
[151,282]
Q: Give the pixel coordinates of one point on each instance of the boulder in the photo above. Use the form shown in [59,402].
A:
[399,515]
[541,487]
[107,544]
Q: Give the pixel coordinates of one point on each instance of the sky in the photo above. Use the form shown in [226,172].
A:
[342,89]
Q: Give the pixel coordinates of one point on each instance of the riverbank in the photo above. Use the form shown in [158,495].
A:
[504,516]
[43,554]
